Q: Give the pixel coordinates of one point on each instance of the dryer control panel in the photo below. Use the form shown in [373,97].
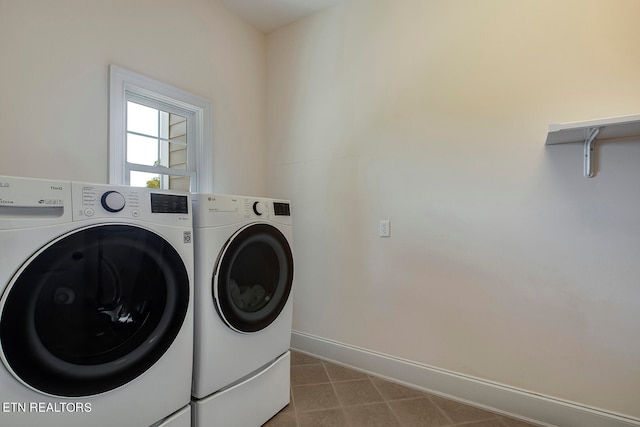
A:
[266,209]
[211,210]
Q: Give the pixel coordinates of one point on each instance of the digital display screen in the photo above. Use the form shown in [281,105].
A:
[281,209]
[169,203]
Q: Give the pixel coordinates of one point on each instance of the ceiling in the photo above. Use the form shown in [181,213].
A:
[268,15]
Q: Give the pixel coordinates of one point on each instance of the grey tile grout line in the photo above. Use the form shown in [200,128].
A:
[450,422]
[498,417]
[370,377]
[293,401]
[463,423]
[341,406]
[495,416]
[426,395]
[386,401]
[442,411]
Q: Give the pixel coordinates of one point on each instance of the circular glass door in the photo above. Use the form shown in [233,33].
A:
[93,310]
[253,278]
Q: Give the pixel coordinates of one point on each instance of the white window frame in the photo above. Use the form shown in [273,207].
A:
[126,84]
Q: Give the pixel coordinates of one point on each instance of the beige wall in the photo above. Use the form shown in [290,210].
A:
[504,262]
[54,82]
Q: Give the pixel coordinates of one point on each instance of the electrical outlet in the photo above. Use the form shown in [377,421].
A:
[385,230]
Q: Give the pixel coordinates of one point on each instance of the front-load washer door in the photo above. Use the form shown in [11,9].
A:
[93,310]
[253,277]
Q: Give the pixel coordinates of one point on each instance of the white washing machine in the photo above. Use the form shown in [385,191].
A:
[181,418]
[243,309]
[96,307]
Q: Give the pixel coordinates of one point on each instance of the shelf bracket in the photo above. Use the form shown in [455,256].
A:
[589,143]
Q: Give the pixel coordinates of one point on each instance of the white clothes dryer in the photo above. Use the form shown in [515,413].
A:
[243,309]
[96,314]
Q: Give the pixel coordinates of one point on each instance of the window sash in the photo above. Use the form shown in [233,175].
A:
[126,85]
[159,138]
[160,170]
[164,107]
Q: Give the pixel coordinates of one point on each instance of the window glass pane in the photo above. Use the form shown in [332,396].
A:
[142,150]
[142,119]
[144,179]
[154,180]
[177,148]
[180,183]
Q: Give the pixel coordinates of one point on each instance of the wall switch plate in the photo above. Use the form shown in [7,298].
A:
[385,230]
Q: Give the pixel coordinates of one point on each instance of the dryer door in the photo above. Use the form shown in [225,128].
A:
[253,277]
[93,310]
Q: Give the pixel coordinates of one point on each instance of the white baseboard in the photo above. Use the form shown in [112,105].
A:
[484,394]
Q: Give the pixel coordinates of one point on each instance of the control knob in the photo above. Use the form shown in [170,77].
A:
[112,201]
[257,208]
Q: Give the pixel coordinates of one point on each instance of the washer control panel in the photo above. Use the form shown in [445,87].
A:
[105,201]
[95,200]
[112,201]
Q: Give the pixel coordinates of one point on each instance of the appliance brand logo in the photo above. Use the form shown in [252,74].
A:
[6,202]
[4,185]
[53,187]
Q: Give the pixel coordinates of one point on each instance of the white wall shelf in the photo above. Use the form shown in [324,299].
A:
[587,132]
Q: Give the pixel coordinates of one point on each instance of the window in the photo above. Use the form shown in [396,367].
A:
[159,135]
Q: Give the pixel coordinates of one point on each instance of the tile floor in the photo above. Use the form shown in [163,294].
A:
[328,395]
